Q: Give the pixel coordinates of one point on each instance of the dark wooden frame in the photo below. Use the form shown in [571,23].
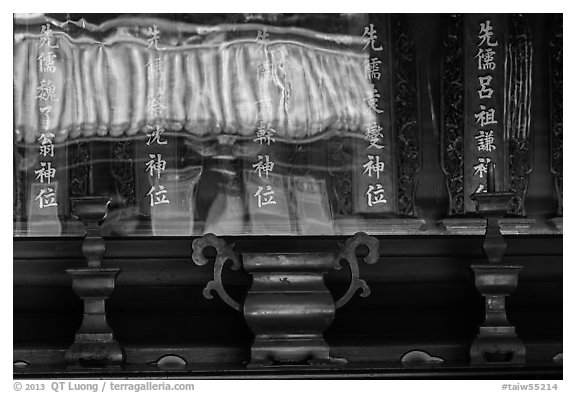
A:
[518,84]
[159,294]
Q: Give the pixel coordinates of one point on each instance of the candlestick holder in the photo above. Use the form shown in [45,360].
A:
[94,344]
[288,306]
[496,341]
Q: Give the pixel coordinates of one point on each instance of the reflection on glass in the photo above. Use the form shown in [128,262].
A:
[226,212]
[175,218]
[268,125]
[313,209]
[267,204]
[43,210]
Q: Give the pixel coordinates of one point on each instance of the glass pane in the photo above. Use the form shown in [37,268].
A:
[230,124]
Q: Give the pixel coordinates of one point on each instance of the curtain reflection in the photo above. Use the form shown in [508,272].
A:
[221,82]
[231,95]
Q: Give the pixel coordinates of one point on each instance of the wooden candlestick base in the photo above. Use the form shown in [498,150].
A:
[496,341]
[94,344]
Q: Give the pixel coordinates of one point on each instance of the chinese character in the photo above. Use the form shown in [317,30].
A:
[264,134]
[46,138]
[373,101]
[264,70]
[262,37]
[485,91]
[371,36]
[47,62]
[265,166]
[266,198]
[485,116]
[481,188]
[46,35]
[46,90]
[155,66]
[485,141]
[46,112]
[155,166]
[373,135]
[154,135]
[481,168]
[263,106]
[375,195]
[373,166]
[486,34]
[47,149]
[46,198]
[373,68]
[154,34]
[158,197]
[46,172]
[486,59]
[155,105]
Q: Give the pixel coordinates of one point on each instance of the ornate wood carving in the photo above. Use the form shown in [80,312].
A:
[556,109]
[123,172]
[518,98]
[405,113]
[79,169]
[339,158]
[452,138]
[348,253]
[224,253]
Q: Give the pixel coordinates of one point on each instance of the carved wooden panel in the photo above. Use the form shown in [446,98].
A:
[338,155]
[556,109]
[452,142]
[513,85]
[122,170]
[518,99]
[485,63]
[405,114]
[79,154]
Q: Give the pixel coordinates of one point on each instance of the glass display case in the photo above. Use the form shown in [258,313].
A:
[264,125]
[152,152]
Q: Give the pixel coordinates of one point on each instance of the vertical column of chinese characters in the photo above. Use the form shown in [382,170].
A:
[486,116]
[46,97]
[264,131]
[375,193]
[158,194]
